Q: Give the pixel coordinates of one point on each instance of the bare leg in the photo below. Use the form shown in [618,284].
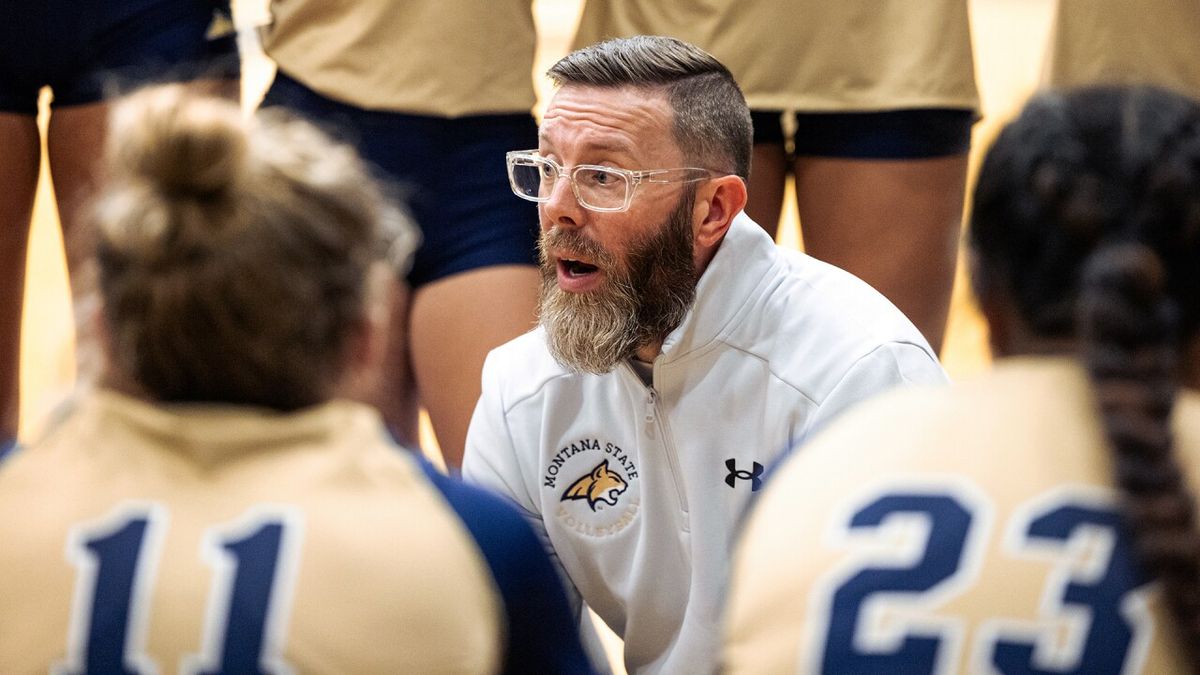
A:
[768,171]
[894,224]
[455,322]
[76,148]
[18,185]
[395,388]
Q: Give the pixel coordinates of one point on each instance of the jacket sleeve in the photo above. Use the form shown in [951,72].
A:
[491,460]
[887,366]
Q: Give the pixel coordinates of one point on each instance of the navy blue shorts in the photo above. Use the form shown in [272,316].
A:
[892,134]
[450,170]
[86,50]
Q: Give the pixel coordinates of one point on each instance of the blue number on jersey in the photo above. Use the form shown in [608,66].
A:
[1101,595]
[108,640]
[117,570]
[949,522]
[1109,634]
[244,614]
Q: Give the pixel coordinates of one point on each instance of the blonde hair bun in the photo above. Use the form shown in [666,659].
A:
[181,144]
[234,252]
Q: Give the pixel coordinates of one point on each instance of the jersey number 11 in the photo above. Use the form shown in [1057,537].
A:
[254,561]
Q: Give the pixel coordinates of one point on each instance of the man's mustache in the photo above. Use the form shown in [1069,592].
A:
[576,243]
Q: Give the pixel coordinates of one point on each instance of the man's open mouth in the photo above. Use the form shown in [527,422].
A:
[577,268]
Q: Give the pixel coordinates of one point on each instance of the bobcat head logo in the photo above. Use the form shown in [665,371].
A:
[601,485]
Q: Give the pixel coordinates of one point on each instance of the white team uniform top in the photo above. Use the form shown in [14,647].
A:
[224,539]
[422,57]
[969,529]
[639,489]
[1122,42]
[815,55]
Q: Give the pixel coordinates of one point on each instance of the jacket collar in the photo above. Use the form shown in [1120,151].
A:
[742,263]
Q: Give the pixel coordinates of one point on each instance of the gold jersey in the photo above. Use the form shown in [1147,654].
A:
[1123,42]
[213,539]
[815,55]
[971,529]
[422,57]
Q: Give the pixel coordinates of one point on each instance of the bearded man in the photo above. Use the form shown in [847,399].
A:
[680,354]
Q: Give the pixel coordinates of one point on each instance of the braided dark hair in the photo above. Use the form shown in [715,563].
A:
[1087,217]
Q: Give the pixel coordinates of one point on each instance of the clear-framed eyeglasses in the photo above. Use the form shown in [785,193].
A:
[598,188]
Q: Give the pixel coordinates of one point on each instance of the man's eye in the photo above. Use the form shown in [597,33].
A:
[598,178]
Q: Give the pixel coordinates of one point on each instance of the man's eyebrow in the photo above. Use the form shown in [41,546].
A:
[614,147]
[597,146]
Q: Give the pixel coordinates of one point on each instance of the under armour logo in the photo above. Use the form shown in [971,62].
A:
[754,475]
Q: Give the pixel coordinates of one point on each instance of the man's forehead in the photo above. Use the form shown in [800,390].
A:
[618,119]
[595,142]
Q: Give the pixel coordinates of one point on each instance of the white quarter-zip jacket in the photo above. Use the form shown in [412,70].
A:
[638,490]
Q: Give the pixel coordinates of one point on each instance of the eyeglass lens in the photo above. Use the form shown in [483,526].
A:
[595,187]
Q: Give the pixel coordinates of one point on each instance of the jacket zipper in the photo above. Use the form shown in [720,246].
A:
[651,417]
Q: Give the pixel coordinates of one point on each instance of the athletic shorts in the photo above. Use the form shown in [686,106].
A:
[893,134]
[88,50]
[450,171]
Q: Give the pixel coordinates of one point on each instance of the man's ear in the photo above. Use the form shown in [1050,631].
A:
[717,202]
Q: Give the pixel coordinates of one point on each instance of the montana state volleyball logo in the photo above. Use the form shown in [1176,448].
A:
[599,474]
[600,485]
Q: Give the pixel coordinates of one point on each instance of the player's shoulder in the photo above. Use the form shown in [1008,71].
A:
[501,532]
[507,541]
[973,428]
[541,630]
[28,466]
[885,430]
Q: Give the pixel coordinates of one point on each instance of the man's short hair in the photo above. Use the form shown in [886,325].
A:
[712,120]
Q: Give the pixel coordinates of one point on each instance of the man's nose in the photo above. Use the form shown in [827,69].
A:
[562,208]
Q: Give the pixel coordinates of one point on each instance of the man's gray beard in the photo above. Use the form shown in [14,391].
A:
[639,304]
